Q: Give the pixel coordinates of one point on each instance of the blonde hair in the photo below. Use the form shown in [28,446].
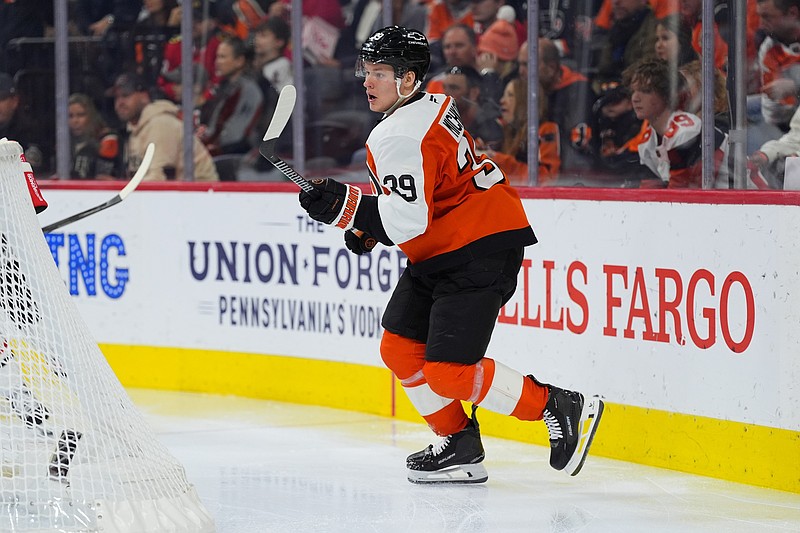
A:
[693,72]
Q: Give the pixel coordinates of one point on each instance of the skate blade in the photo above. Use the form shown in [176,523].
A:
[590,418]
[475,473]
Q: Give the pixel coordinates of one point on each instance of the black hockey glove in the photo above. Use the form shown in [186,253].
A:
[331,202]
[359,244]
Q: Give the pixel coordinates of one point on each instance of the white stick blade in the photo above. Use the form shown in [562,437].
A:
[283,110]
[140,172]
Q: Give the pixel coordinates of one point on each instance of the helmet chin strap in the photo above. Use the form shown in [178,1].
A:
[400,97]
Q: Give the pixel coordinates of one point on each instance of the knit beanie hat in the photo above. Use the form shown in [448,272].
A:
[500,39]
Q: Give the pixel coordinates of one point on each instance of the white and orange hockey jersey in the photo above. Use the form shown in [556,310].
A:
[774,61]
[437,199]
[677,157]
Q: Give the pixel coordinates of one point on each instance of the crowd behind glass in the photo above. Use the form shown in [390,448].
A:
[617,86]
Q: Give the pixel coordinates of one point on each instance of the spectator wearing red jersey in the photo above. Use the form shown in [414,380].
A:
[206,37]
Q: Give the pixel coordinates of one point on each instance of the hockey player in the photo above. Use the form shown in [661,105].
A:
[463,228]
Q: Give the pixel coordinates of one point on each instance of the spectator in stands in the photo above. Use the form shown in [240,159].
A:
[631,38]
[692,98]
[618,133]
[567,24]
[158,22]
[691,13]
[498,49]
[513,155]
[368,18]
[36,138]
[94,146]
[460,49]
[159,14]
[486,12]
[569,101]
[674,42]
[444,13]
[99,17]
[671,146]
[464,85]
[240,18]
[767,165]
[236,105]
[270,40]
[605,17]
[23,18]
[206,37]
[779,60]
[156,121]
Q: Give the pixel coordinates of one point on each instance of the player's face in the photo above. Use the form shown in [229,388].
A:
[379,81]
[78,119]
[457,48]
[647,104]
[666,44]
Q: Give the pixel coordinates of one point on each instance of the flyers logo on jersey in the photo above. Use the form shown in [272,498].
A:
[451,121]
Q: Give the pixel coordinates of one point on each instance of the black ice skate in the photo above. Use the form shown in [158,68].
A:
[571,423]
[456,459]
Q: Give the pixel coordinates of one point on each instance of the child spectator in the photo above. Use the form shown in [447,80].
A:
[674,41]
[618,135]
[269,42]
[671,145]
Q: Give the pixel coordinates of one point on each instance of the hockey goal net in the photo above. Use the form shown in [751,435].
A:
[75,454]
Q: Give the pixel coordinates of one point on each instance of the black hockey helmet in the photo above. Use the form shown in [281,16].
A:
[402,48]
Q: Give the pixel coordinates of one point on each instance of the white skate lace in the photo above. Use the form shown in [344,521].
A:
[438,448]
[553,427]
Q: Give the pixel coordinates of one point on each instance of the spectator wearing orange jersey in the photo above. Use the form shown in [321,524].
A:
[570,98]
[513,154]
[444,13]
[605,18]
[691,12]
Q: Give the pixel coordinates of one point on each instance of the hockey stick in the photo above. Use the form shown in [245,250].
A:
[129,188]
[283,110]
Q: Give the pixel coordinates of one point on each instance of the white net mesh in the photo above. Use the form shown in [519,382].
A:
[75,454]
